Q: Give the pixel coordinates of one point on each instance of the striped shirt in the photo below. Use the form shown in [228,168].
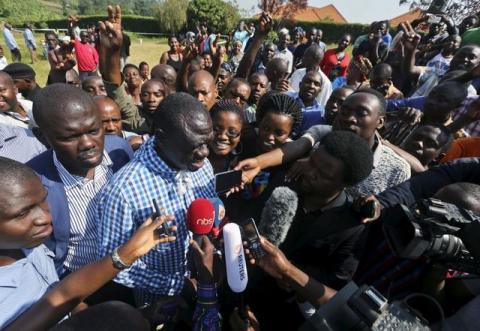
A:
[19,144]
[82,197]
[126,202]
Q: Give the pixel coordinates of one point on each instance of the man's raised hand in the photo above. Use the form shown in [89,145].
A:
[111,29]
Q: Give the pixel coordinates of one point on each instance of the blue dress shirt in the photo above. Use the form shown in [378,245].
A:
[126,202]
[19,144]
[312,115]
[24,282]
[9,39]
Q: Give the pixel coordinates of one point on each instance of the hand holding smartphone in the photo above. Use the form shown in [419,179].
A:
[252,236]
[158,213]
[225,181]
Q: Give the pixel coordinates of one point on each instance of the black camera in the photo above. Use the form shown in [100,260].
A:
[364,308]
[439,231]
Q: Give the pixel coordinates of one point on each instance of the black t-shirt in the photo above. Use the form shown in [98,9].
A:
[327,245]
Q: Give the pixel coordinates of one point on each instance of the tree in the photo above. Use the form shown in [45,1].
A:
[143,7]
[18,12]
[172,15]
[285,9]
[456,9]
[220,16]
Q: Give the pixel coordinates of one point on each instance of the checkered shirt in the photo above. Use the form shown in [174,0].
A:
[127,202]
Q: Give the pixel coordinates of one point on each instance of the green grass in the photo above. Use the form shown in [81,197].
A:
[147,49]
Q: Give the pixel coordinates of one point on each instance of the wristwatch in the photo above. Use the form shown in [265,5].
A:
[117,261]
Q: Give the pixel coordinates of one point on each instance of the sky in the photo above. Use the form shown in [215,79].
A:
[355,11]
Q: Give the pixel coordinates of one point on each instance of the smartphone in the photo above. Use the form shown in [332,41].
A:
[225,181]
[158,212]
[252,236]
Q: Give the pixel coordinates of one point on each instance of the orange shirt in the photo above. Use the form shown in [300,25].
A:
[464,147]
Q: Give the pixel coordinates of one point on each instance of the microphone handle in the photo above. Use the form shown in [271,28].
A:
[197,238]
[242,310]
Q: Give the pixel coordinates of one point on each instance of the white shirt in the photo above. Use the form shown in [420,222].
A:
[326,88]
[3,62]
[287,56]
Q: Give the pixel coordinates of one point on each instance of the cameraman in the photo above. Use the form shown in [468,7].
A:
[426,184]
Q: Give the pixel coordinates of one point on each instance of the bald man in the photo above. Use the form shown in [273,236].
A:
[277,73]
[201,85]
[167,74]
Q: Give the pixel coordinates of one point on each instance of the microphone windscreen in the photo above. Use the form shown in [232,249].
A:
[200,216]
[278,215]
[235,263]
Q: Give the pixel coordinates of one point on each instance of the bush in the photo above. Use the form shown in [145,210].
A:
[129,23]
[332,32]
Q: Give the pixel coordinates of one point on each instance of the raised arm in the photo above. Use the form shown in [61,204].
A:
[111,39]
[264,27]
[70,27]
[110,43]
[410,42]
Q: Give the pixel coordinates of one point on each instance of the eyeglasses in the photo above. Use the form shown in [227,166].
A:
[229,133]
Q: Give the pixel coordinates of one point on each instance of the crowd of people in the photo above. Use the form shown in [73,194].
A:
[82,159]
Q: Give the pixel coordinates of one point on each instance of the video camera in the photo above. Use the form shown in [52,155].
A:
[364,308]
[440,231]
[436,230]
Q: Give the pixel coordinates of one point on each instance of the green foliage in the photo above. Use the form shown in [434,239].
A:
[18,12]
[172,15]
[220,16]
[129,23]
[272,36]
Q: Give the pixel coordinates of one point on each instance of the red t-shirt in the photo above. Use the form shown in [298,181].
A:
[332,67]
[87,56]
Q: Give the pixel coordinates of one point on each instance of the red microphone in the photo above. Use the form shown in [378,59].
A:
[200,216]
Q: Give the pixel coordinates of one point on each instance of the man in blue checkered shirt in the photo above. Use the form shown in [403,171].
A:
[171,167]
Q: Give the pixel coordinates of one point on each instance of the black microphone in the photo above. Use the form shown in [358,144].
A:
[278,215]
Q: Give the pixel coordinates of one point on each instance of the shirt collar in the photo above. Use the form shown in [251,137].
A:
[296,96]
[340,200]
[148,155]
[377,150]
[70,180]
[337,202]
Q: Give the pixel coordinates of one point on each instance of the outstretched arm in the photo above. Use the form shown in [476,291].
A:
[73,289]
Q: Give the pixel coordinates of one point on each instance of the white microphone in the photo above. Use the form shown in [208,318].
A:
[235,263]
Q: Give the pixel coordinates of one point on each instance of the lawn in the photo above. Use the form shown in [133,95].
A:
[142,49]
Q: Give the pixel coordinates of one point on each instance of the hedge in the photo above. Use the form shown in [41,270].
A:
[129,23]
[332,32]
